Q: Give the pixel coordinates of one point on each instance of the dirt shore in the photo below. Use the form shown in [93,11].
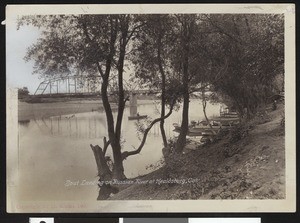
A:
[252,167]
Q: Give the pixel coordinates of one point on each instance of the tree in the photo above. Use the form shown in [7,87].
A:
[152,60]
[91,44]
[23,92]
[253,47]
[167,53]
[190,64]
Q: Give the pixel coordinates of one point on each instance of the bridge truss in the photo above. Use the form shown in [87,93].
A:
[70,85]
[82,85]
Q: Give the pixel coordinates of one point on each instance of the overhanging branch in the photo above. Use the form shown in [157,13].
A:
[138,150]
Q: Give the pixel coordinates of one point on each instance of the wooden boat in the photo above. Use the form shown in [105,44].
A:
[229,115]
[227,121]
[213,127]
[203,129]
[199,130]
[191,132]
[227,112]
[208,133]
[194,133]
[137,117]
[219,119]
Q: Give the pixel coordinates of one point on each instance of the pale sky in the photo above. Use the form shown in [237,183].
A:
[18,72]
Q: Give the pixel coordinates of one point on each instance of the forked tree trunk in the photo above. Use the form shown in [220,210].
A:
[181,141]
[118,170]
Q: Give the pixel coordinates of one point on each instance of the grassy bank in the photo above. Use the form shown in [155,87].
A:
[246,163]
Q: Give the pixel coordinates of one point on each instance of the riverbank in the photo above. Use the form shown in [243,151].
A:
[247,163]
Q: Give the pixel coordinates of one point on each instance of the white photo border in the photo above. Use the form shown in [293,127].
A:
[166,206]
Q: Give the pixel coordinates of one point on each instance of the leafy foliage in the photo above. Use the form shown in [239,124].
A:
[253,47]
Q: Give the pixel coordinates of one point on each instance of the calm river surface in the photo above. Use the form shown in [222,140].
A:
[57,163]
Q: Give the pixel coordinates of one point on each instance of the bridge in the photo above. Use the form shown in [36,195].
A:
[78,85]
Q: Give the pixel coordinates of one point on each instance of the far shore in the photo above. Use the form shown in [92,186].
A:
[28,111]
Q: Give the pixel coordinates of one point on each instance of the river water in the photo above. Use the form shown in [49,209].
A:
[56,162]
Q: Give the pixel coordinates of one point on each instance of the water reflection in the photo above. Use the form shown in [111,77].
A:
[88,125]
[55,150]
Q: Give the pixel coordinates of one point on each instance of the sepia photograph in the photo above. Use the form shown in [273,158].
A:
[150,108]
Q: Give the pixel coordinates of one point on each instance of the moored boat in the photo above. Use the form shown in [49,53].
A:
[198,130]
[137,117]
[227,121]
[203,129]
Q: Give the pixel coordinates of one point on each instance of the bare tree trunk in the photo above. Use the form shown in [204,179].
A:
[181,141]
[204,103]
[163,89]
[162,129]
[121,97]
[186,37]
[118,170]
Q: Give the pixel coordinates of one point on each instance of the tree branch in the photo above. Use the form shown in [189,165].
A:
[84,26]
[133,31]
[100,69]
[223,31]
[126,99]
[138,150]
